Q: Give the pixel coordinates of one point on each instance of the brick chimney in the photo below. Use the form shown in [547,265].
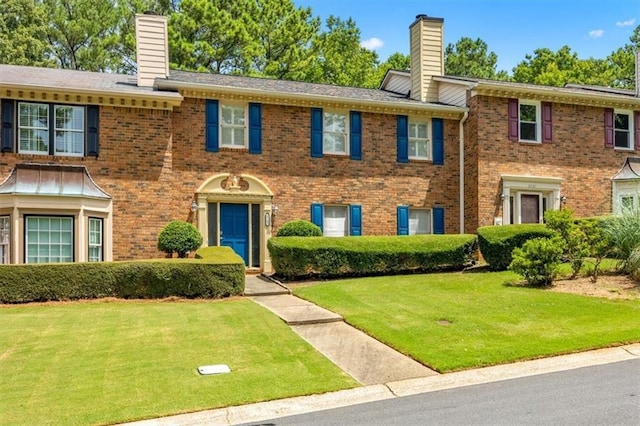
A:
[152,51]
[426,36]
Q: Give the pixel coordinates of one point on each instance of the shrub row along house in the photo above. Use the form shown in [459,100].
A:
[95,164]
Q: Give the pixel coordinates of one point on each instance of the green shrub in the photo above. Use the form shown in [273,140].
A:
[576,245]
[623,233]
[302,257]
[538,260]
[299,228]
[221,276]
[497,242]
[179,237]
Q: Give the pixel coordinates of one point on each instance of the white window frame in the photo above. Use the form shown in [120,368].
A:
[629,131]
[60,142]
[326,132]
[328,231]
[537,123]
[99,244]
[414,139]
[413,229]
[234,144]
[40,130]
[48,235]
[48,137]
[5,240]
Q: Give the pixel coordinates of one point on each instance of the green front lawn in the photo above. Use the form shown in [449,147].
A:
[93,362]
[462,320]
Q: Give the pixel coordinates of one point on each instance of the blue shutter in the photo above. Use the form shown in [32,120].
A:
[355,137]
[403,139]
[93,126]
[355,220]
[403,220]
[316,132]
[211,123]
[438,141]
[438,220]
[6,136]
[317,214]
[255,128]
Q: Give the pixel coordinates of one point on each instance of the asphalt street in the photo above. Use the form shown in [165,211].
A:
[606,394]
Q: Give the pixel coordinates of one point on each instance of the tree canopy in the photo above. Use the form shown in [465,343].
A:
[266,38]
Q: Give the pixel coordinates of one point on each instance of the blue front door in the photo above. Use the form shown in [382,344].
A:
[234,228]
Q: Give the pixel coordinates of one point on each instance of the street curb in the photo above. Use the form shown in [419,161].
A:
[306,404]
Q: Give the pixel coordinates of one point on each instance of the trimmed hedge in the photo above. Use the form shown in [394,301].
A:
[304,257]
[218,274]
[497,242]
[299,228]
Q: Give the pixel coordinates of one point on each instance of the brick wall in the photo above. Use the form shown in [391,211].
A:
[577,155]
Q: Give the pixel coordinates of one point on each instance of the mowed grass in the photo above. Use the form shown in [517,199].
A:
[96,363]
[457,321]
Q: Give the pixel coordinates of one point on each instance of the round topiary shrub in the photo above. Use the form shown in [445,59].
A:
[179,237]
[299,228]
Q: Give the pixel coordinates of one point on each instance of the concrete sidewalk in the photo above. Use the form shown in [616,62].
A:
[359,355]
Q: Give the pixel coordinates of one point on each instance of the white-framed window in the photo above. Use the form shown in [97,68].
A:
[36,134]
[95,240]
[419,141]
[335,132]
[419,221]
[5,240]
[233,126]
[69,130]
[529,120]
[33,128]
[623,129]
[48,239]
[335,222]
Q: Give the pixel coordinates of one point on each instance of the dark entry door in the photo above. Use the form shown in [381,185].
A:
[530,208]
[234,228]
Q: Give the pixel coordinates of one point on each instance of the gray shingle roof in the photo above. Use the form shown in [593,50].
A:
[86,81]
[283,86]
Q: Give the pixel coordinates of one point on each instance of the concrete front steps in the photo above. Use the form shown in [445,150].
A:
[359,355]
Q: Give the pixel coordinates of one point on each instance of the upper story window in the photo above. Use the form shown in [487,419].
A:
[529,119]
[623,129]
[334,136]
[419,143]
[233,126]
[37,128]
[51,129]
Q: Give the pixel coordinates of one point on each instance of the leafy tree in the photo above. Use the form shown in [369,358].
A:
[621,62]
[213,35]
[284,35]
[576,246]
[22,33]
[341,59]
[470,58]
[83,34]
[396,61]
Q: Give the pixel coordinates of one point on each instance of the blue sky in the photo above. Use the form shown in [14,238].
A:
[511,28]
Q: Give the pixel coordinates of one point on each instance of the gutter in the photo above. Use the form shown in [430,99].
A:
[461,168]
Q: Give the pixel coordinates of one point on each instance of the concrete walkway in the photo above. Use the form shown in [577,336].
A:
[359,355]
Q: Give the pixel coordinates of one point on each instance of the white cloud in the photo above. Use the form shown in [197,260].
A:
[372,44]
[596,33]
[627,23]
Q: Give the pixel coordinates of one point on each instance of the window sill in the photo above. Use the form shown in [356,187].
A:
[335,154]
[420,160]
[618,148]
[530,142]
[234,148]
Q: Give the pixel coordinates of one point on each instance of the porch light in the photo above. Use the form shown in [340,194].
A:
[563,199]
[274,210]
[502,197]
[194,206]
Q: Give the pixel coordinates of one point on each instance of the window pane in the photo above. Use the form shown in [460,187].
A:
[528,113]
[622,121]
[5,239]
[334,142]
[49,239]
[95,240]
[238,137]
[33,128]
[335,221]
[528,132]
[419,221]
[621,139]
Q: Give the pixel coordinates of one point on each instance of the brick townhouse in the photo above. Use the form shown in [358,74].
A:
[96,164]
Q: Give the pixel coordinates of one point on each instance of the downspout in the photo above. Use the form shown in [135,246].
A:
[461,168]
